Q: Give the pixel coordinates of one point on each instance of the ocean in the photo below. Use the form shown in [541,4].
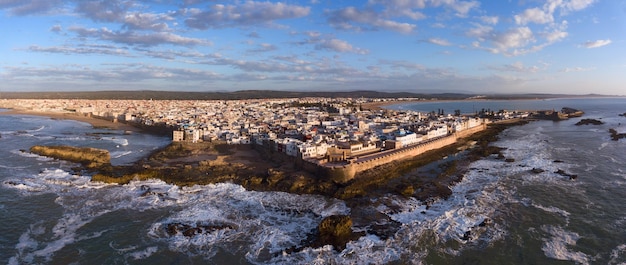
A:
[500,213]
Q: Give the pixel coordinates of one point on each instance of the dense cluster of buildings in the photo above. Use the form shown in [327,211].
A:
[311,128]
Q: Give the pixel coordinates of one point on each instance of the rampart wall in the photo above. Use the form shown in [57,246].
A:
[342,173]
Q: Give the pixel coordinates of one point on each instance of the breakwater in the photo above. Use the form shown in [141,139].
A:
[346,171]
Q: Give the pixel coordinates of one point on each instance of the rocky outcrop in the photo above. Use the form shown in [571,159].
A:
[564,114]
[571,112]
[87,156]
[615,136]
[565,174]
[335,230]
[589,122]
[537,170]
[190,230]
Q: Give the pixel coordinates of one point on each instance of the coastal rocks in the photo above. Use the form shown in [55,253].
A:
[89,157]
[571,112]
[335,230]
[537,170]
[559,171]
[475,231]
[190,230]
[615,136]
[565,174]
[589,122]
[564,114]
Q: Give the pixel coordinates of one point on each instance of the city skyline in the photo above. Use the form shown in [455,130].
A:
[428,46]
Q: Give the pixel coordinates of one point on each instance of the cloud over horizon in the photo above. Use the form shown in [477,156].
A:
[451,45]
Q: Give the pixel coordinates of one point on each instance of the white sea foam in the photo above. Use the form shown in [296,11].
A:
[552,209]
[618,255]
[31,155]
[82,203]
[269,221]
[142,254]
[119,154]
[556,246]
[117,140]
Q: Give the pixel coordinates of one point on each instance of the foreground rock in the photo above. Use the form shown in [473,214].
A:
[87,156]
[335,230]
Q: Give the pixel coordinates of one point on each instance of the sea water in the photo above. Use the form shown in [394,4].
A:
[500,213]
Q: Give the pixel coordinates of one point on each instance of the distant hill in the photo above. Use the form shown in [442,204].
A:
[258,94]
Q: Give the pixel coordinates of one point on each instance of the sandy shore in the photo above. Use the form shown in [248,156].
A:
[379,105]
[100,123]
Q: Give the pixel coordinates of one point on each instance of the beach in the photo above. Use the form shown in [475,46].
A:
[95,122]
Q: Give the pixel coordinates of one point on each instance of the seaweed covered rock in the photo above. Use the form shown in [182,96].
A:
[89,157]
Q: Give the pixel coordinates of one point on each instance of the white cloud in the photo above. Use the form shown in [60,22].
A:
[517,67]
[438,41]
[349,18]
[534,15]
[491,20]
[264,47]
[56,28]
[134,38]
[481,32]
[576,5]
[339,46]
[596,44]
[103,11]
[108,50]
[147,21]
[246,14]
[577,69]
[28,7]
[555,36]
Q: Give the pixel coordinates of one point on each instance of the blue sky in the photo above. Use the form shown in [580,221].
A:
[516,46]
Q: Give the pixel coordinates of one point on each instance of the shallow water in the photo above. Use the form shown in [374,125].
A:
[52,216]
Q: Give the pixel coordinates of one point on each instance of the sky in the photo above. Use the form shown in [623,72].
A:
[429,46]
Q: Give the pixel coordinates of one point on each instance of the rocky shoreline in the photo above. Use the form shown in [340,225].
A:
[187,164]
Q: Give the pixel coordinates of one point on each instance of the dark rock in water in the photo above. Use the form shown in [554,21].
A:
[589,122]
[195,229]
[615,136]
[537,170]
[486,222]
[623,114]
[570,112]
[565,174]
[467,236]
[510,160]
[558,161]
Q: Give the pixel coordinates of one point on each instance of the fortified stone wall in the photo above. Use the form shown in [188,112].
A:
[345,173]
